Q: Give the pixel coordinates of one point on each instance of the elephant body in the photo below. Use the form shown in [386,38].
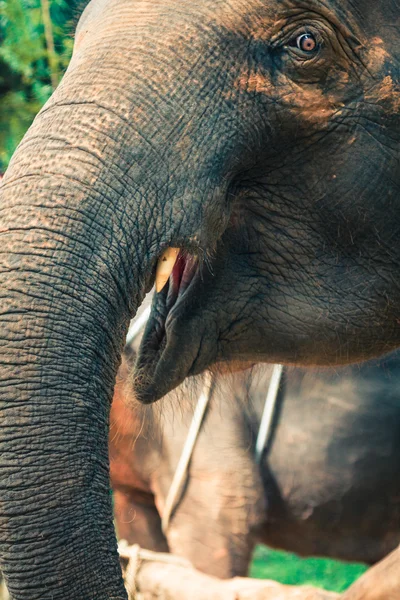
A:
[249,149]
[327,484]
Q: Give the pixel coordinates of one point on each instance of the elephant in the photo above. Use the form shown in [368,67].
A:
[249,149]
[327,483]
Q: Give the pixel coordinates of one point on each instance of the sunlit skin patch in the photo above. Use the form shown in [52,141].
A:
[255,20]
[259,20]
[78,40]
[376,55]
[312,105]
[384,92]
[82,8]
[387,94]
[309,103]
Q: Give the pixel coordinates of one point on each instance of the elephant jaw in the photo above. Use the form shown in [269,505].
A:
[161,364]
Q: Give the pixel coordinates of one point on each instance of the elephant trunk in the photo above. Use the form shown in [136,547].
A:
[67,294]
[103,182]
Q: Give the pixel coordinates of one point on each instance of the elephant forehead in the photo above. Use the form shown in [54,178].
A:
[259,18]
[253,18]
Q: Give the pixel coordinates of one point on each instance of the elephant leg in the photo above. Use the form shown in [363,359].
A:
[138,523]
[212,526]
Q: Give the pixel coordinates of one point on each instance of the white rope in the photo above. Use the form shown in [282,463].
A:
[181,469]
[138,554]
[132,555]
[135,557]
[202,403]
[268,412]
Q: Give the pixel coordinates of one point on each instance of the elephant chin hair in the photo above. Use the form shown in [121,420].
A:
[186,396]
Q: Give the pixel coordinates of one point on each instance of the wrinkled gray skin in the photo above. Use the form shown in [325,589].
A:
[202,125]
[328,483]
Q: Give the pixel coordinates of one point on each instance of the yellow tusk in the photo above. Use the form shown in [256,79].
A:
[164,267]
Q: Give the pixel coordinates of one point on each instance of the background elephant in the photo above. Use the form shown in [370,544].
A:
[327,484]
[259,137]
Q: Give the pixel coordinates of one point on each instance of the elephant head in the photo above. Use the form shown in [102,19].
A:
[261,138]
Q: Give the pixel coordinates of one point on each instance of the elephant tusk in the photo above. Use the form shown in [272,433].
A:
[165,266]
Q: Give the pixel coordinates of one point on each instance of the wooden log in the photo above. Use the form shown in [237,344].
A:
[380,582]
[156,576]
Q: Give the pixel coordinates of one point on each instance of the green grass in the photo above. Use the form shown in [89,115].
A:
[288,568]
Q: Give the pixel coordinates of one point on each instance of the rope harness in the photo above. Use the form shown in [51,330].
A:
[135,556]
[187,452]
[203,402]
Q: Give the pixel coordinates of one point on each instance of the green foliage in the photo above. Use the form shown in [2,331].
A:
[288,568]
[26,79]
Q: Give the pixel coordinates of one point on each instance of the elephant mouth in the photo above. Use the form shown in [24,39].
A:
[183,273]
[162,362]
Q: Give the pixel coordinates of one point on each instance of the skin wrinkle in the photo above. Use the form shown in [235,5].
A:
[101,131]
[63,239]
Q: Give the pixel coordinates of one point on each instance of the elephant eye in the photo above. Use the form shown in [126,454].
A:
[306,44]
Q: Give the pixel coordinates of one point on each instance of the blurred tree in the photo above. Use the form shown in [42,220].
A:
[35,47]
